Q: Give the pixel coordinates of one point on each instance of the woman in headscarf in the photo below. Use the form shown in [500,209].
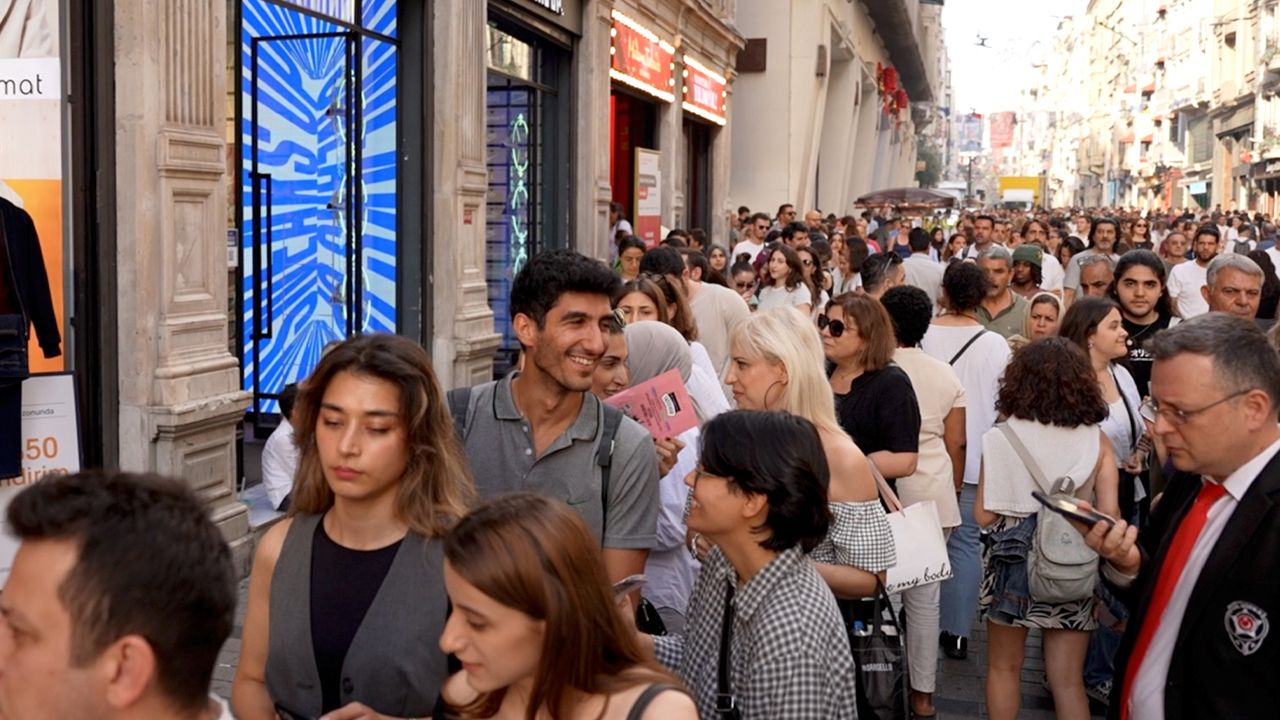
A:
[654,348]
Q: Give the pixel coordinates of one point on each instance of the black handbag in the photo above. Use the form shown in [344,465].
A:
[879,648]
[648,621]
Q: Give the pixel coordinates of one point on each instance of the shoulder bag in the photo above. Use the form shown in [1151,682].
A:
[1060,567]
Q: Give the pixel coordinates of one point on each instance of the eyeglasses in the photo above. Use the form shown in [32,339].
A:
[1150,409]
[620,318]
[806,262]
[835,327]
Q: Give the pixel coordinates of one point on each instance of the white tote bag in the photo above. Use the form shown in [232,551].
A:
[917,538]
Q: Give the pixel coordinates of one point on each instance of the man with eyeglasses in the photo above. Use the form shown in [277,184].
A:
[1201,576]
[1233,284]
[753,235]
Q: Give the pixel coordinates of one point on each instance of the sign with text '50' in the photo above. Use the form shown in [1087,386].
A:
[50,444]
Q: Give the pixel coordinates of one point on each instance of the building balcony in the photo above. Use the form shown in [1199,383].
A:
[895,25]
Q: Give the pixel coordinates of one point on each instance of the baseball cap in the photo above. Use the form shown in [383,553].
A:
[1029,254]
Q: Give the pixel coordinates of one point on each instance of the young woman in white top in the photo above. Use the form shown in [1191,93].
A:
[783,284]
[1097,327]
[1053,407]
[777,364]
[978,357]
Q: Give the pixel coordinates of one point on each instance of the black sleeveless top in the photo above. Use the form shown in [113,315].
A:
[343,585]
[444,711]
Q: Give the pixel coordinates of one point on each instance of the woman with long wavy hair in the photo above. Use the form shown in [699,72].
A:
[535,626]
[345,596]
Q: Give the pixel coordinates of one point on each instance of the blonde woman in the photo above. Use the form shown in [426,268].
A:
[777,364]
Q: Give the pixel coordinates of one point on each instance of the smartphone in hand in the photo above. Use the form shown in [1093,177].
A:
[1067,507]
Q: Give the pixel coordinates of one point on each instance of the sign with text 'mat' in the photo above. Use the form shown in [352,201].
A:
[50,444]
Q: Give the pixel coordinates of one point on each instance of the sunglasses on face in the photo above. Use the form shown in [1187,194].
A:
[835,327]
[743,285]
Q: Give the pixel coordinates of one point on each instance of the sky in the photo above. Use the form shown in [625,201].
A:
[989,79]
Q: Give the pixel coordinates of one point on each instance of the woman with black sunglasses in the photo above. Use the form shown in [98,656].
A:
[875,401]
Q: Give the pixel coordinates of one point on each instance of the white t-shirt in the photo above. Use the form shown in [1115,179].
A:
[979,370]
[746,246]
[279,462]
[1185,281]
[717,310]
[779,296]
[1051,274]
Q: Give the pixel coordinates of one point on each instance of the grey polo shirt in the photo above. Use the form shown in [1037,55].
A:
[499,444]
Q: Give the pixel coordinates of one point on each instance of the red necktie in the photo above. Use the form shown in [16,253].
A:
[1170,572]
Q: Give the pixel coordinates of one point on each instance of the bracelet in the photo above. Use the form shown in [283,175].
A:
[693,545]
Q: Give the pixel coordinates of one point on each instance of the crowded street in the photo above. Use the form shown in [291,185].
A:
[639,359]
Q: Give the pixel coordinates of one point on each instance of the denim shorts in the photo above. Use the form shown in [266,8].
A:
[1005,598]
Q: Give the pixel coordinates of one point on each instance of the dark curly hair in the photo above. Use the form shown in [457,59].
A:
[552,273]
[1051,381]
[1081,320]
[911,310]
[966,285]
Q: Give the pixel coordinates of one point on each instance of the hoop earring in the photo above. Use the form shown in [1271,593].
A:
[783,383]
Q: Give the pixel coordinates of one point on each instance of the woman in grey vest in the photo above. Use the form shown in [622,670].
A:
[535,625]
[346,598]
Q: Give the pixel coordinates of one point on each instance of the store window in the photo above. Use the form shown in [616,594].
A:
[527,138]
[319,183]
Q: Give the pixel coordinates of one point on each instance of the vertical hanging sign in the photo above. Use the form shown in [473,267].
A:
[648,203]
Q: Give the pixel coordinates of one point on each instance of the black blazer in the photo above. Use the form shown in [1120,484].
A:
[28,277]
[1209,676]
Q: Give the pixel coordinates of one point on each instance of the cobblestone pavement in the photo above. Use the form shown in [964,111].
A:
[960,682]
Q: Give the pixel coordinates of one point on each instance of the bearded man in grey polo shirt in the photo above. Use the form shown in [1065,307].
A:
[538,428]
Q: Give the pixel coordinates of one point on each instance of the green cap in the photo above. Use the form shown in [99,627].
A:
[1029,254]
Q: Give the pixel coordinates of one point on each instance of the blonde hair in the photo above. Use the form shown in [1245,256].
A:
[785,336]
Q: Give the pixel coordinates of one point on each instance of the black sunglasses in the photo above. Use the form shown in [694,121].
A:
[835,327]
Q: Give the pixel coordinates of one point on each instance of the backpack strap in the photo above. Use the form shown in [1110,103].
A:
[1032,466]
[459,400]
[604,458]
[966,346]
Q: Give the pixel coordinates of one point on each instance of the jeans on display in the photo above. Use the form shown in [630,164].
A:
[921,606]
[960,592]
[13,370]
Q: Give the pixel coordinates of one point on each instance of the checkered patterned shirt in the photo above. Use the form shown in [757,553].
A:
[790,655]
[859,536]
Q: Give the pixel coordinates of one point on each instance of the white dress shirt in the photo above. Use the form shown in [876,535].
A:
[279,462]
[1147,693]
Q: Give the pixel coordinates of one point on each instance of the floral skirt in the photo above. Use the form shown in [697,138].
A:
[1003,595]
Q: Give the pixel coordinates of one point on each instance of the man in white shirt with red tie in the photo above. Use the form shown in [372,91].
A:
[1203,576]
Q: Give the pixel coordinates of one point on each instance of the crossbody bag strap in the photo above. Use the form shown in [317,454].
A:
[604,458]
[726,702]
[966,346]
[1133,424]
[1032,466]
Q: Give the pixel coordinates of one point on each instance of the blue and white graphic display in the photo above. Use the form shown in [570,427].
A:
[318,155]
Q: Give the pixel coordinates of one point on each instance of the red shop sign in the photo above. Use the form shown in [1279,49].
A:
[640,59]
[704,92]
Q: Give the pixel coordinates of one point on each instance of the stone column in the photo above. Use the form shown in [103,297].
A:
[464,340]
[592,188]
[180,396]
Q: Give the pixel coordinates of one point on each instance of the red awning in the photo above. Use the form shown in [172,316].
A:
[1146,138]
[1127,137]
[1148,89]
[1130,88]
